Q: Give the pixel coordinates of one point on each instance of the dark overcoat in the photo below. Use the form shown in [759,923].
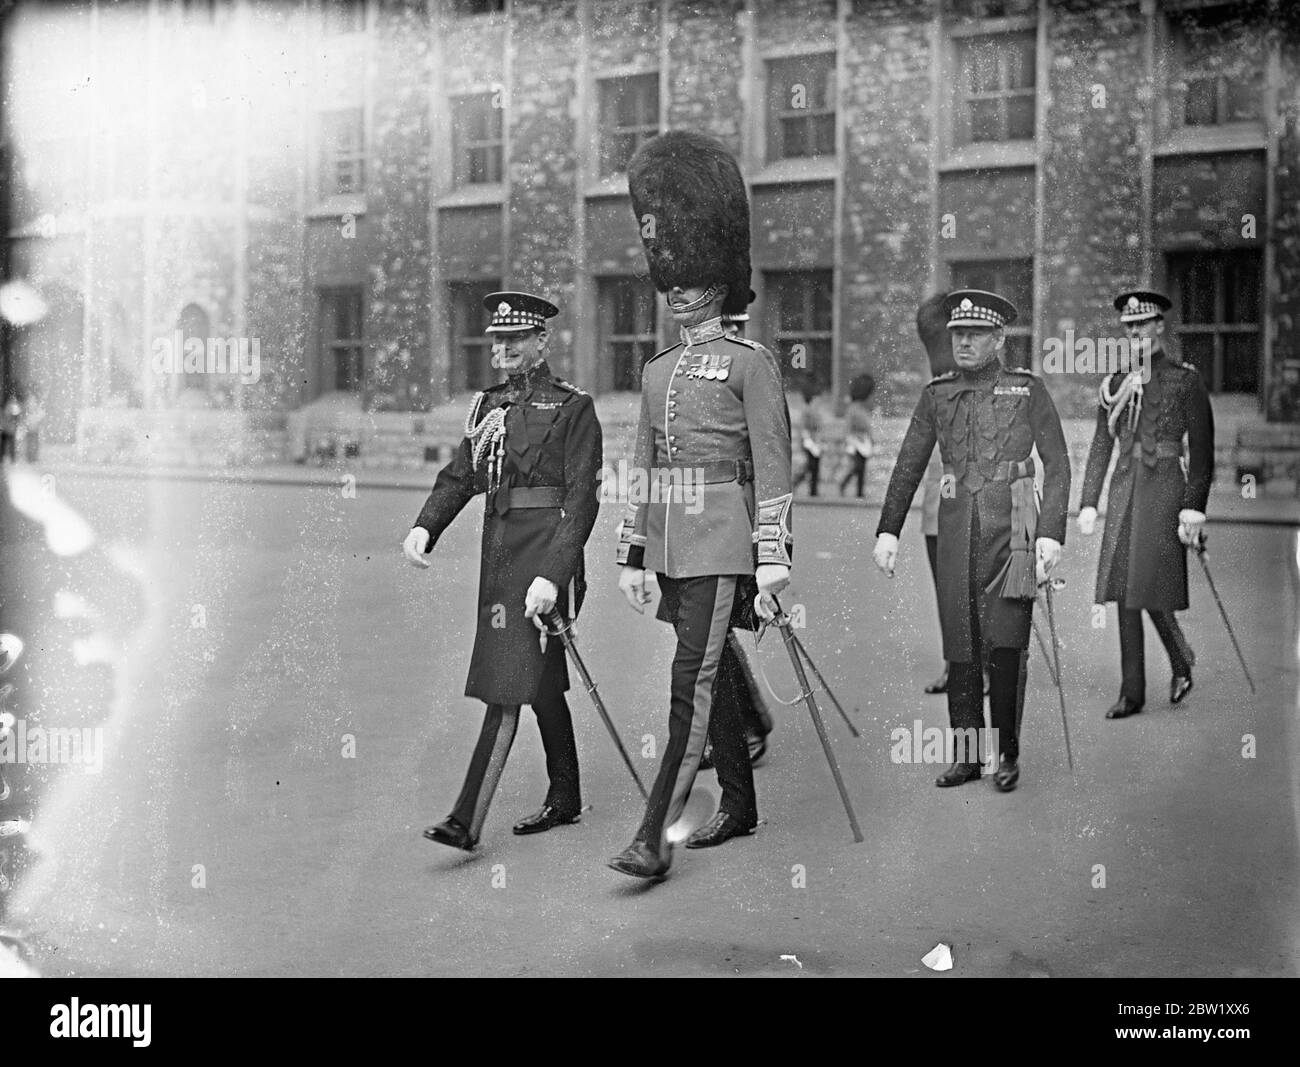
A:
[1143,564]
[982,421]
[552,439]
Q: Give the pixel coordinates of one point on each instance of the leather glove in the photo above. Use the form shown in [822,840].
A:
[1190,525]
[1049,555]
[540,599]
[414,546]
[771,579]
[886,553]
[1087,521]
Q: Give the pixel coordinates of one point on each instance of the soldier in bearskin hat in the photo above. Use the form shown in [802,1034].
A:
[994,544]
[533,445]
[714,428]
[1155,509]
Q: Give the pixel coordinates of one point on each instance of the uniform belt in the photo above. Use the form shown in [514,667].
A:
[1164,449]
[1011,470]
[715,470]
[537,496]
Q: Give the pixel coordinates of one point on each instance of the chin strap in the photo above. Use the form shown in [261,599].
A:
[703,300]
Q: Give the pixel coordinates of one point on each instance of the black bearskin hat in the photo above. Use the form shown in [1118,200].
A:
[932,325]
[693,214]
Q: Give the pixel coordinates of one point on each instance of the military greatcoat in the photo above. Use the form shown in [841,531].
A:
[986,423]
[542,481]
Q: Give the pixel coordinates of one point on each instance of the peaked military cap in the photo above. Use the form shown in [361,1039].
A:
[975,307]
[515,312]
[1138,305]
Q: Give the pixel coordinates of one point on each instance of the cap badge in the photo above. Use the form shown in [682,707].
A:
[503,308]
[1132,302]
[965,304]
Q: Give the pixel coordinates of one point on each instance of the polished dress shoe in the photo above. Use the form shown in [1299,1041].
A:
[1124,707]
[1006,776]
[940,684]
[757,747]
[451,831]
[641,861]
[959,774]
[722,827]
[550,816]
[1179,686]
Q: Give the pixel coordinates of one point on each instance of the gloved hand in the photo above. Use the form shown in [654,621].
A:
[1049,555]
[631,582]
[1087,521]
[414,545]
[540,599]
[886,553]
[1190,525]
[771,579]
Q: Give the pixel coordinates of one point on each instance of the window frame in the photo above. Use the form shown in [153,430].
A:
[782,339]
[329,346]
[606,130]
[1218,329]
[959,110]
[773,147]
[329,160]
[1172,59]
[463,146]
[644,297]
[469,349]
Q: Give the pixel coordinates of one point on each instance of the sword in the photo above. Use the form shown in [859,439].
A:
[1205,566]
[1047,587]
[782,621]
[1042,647]
[559,626]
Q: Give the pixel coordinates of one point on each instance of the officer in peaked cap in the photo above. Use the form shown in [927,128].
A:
[1154,509]
[994,544]
[713,423]
[532,444]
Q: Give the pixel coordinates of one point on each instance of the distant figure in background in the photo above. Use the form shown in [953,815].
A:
[811,428]
[858,445]
[31,425]
[11,418]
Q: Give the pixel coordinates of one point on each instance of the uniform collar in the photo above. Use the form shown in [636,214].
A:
[983,375]
[700,333]
[539,371]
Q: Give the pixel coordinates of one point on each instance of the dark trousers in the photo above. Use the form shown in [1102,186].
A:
[733,685]
[701,614]
[1008,672]
[500,723]
[812,472]
[858,470]
[7,445]
[1132,650]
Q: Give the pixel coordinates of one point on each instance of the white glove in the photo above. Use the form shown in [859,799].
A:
[1087,521]
[540,599]
[771,579]
[414,545]
[631,583]
[1049,555]
[886,553]
[1190,524]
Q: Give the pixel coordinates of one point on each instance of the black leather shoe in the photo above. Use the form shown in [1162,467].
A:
[452,832]
[1179,686]
[757,747]
[940,684]
[959,774]
[722,827]
[1123,708]
[1006,776]
[549,817]
[641,861]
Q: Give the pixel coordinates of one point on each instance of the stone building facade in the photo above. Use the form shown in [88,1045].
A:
[342,183]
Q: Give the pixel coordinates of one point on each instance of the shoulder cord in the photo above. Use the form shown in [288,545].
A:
[487,441]
[1127,396]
